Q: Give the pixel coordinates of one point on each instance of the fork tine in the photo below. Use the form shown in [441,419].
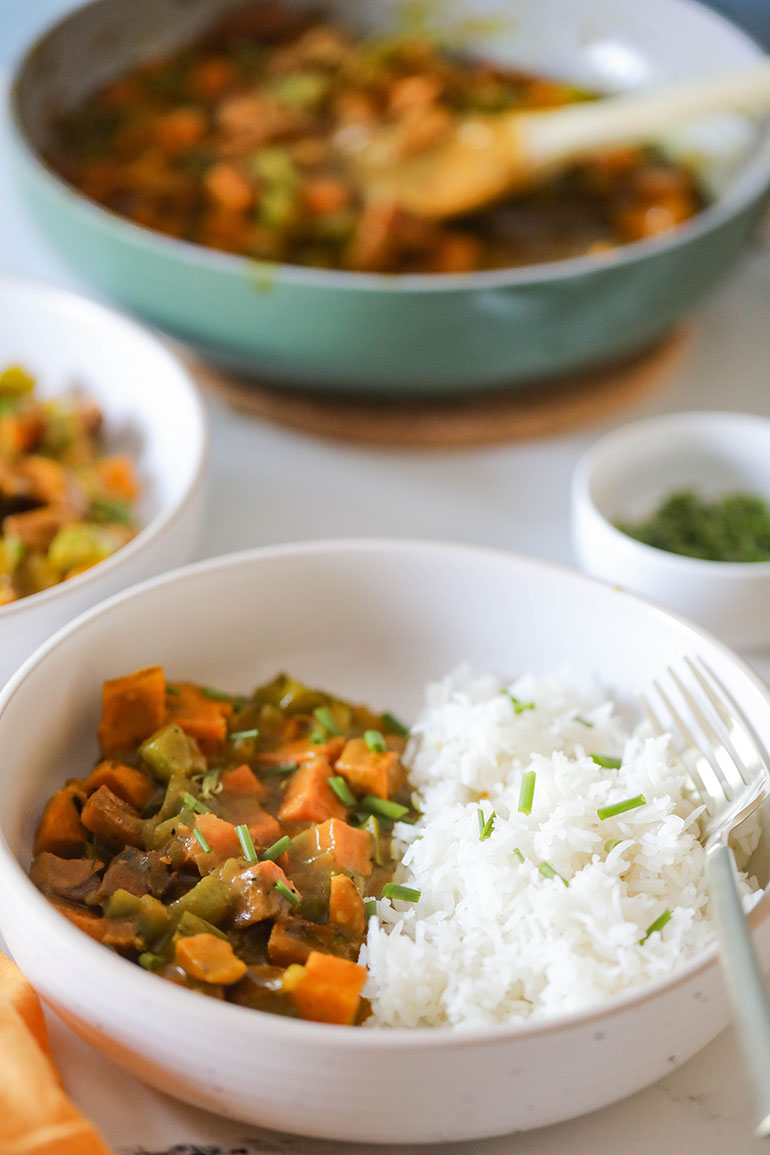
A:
[748,747]
[719,753]
[715,785]
[691,771]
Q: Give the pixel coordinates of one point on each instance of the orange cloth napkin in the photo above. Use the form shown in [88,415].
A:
[36,1116]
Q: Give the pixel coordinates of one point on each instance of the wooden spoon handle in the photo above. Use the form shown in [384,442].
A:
[562,133]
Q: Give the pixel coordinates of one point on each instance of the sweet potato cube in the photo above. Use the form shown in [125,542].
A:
[117,475]
[330,989]
[220,835]
[89,921]
[131,785]
[368,771]
[209,959]
[133,707]
[204,719]
[60,830]
[309,797]
[241,782]
[346,907]
[348,847]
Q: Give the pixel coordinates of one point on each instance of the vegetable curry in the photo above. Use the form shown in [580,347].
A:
[237,142]
[230,844]
[64,504]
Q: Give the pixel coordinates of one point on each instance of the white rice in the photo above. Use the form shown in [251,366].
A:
[493,940]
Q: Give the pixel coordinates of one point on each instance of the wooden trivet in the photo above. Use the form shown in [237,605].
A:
[487,418]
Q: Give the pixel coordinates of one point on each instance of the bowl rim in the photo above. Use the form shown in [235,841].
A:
[78,306]
[145,987]
[751,184]
[633,432]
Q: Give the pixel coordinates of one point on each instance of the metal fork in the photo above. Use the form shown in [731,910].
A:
[728,767]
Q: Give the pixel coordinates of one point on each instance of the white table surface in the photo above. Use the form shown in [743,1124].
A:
[269,485]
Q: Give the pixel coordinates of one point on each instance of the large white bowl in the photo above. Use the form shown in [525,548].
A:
[151,410]
[373,621]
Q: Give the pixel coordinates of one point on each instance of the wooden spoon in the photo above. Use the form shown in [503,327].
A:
[482,158]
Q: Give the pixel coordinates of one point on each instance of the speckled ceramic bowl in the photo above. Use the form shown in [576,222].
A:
[375,621]
[409,334]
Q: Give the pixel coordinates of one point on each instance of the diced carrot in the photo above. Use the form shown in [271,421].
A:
[324,194]
[204,719]
[349,847]
[330,990]
[117,476]
[89,921]
[133,707]
[209,959]
[346,907]
[368,771]
[133,786]
[60,830]
[220,835]
[309,797]
[241,782]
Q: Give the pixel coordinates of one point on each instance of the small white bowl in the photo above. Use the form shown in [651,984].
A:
[626,476]
[374,621]
[151,411]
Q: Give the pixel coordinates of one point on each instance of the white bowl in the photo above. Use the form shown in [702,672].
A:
[627,474]
[373,621]
[151,410]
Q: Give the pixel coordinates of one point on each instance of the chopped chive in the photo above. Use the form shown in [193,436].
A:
[342,790]
[277,849]
[215,695]
[150,961]
[172,690]
[393,726]
[611,844]
[105,509]
[518,705]
[584,721]
[375,741]
[323,716]
[607,761]
[527,792]
[370,907]
[239,735]
[480,816]
[289,895]
[406,893]
[384,807]
[195,804]
[621,807]
[659,923]
[203,843]
[548,871]
[518,854]
[279,768]
[317,736]
[487,828]
[247,844]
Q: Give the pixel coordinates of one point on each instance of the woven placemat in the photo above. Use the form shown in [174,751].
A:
[488,418]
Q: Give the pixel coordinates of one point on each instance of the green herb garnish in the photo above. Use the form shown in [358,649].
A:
[518,705]
[111,511]
[527,792]
[384,807]
[621,807]
[279,768]
[486,827]
[732,528]
[342,790]
[289,895]
[611,844]
[247,843]
[607,761]
[203,843]
[518,854]
[317,736]
[375,741]
[323,716]
[277,849]
[172,690]
[584,721]
[370,908]
[150,961]
[548,871]
[215,695]
[195,804]
[240,735]
[406,893]
[659,923]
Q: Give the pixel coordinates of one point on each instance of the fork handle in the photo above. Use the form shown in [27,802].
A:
[745,982]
